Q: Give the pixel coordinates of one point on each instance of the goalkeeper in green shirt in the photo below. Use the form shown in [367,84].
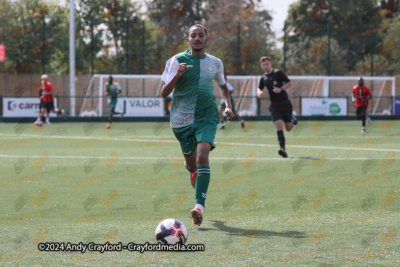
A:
[112,89]
[194,114]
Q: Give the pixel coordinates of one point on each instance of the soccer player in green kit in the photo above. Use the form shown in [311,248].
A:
[112,89]
[194,114]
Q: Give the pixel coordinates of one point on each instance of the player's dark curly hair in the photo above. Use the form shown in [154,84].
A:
[198,25]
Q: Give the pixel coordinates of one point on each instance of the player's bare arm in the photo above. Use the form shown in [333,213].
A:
[47,93]
[260,93]
[169,86]
[277,90]
[225,95]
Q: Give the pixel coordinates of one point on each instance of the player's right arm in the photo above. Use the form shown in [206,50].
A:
[105,89]
[174,72]
[260,93]
[353,95]
[41,96]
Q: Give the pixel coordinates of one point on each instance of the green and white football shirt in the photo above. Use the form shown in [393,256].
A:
[193,95]
[112,89]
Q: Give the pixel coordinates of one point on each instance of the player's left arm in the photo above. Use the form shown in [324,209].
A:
[51,90]
[119,91]
[224,91]
[369,94]
[286,83]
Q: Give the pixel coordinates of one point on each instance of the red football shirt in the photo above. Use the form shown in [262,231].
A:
[362,94]
[47,87]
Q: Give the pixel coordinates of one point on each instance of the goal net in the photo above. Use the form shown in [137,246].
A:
[95,102]
[382,89]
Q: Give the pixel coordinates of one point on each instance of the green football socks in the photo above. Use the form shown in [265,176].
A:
[202,182]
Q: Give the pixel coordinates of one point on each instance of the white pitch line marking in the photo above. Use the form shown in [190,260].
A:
[218,143]
[321,136]
[176,158]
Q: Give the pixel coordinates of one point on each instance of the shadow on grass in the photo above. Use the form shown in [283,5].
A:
[219,225]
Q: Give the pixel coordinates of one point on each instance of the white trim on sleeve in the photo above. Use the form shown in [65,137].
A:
[172,70]
[219,77]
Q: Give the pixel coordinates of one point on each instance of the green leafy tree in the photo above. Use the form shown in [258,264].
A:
[121,19]
[352,24]
[173,18]
[240,34]
[57,40]
[389,47]
[35,34]
[239,51]
[89,35]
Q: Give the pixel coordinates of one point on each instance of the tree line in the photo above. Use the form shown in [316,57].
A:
[321,37]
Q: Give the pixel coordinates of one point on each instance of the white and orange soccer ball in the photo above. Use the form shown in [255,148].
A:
[171,231]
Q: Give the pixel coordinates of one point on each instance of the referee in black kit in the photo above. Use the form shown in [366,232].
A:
[281,108]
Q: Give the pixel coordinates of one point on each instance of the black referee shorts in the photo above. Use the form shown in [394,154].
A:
[49,106]
[281,111]
[361,111]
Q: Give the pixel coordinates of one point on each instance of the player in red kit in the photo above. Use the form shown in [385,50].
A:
[48,101]
[361,95]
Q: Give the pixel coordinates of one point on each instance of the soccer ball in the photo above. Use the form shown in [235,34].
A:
[171,231]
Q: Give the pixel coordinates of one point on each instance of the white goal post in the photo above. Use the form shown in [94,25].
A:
[93,101]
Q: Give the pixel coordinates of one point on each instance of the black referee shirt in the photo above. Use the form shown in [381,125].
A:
[275,78]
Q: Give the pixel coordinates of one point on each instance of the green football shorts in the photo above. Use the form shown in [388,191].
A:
[195,133]
[223,106]
[113,102]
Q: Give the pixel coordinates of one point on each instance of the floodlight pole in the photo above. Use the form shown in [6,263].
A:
[284,45]
[72,57]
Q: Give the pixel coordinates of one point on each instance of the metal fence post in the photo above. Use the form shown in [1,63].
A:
[143,46]
[43,45]
[372,59]
[91,47]
[329,51]
[238,51]
[127,47]
[300,105]
[372,53]
[284,46]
